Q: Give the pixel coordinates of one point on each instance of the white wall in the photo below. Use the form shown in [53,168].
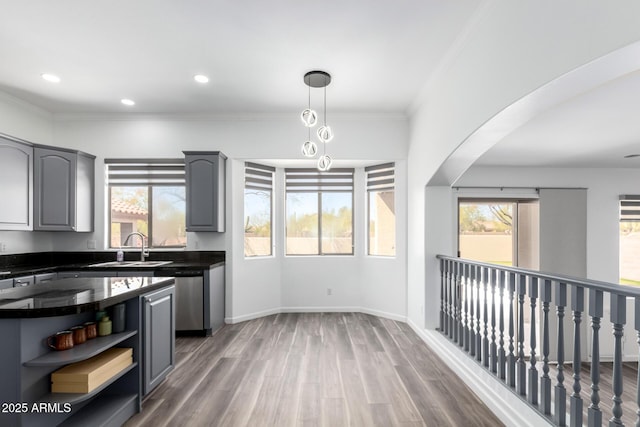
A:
[256,286]
[261,286]
[509,50]
[22,120]
[376,285]
[604,186]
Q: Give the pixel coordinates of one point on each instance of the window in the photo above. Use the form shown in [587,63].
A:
[629,240]
[500,231]
[146,196]
[319,212]
[486,230]
[381,213]
[258,209]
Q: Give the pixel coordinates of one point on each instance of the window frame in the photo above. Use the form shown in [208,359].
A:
[629,212]
[147,173]
[322,184]
[260,185]
[379,179]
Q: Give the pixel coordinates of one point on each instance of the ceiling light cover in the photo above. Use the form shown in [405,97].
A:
[309,117]
[325,134]
[309,149]
[324,163]
[128,102]
[201,78]
[52,78]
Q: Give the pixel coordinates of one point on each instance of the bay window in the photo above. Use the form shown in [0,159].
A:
[319,211]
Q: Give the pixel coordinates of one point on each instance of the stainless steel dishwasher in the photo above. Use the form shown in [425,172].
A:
[199,298]
[189,302]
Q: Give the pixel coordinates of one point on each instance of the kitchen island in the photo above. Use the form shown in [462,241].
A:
[200,278]
[30,314]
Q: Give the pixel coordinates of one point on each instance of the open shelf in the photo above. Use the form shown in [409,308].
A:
[80,352]
[74,398]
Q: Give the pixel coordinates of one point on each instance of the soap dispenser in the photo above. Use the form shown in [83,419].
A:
[120,255]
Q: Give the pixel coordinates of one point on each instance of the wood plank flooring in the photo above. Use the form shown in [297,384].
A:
[629,377]
[311,369]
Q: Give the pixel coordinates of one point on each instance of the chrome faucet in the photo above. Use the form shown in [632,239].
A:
[145,251]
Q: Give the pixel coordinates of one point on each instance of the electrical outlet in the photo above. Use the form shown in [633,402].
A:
[3,247]
[329,291]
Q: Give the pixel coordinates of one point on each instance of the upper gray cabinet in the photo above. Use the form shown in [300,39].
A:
[16,191]
[205,188]
[63,190]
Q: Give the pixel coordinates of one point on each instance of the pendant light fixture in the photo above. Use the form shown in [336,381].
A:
[317,79]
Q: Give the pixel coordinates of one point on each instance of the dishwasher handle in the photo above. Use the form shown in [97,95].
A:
[179,273]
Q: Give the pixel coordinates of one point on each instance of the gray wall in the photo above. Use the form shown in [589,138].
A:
[563,231]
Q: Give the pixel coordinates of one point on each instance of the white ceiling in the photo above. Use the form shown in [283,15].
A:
[380,54]
[255,52]
[595,129]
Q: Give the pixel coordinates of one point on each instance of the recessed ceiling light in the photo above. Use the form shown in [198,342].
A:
[128,102]
[200,78]
[52,78]
[631,156]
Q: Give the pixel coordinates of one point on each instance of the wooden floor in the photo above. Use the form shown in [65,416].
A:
[630,382]
[311,369]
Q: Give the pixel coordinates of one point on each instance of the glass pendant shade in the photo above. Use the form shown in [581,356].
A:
[309,149]
[309,118]
[324,163]
[325,134]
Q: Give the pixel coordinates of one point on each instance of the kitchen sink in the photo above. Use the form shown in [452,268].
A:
[131,264]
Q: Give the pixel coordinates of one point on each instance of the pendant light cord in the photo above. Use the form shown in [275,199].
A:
[324,144]
[325,101]
[309,107]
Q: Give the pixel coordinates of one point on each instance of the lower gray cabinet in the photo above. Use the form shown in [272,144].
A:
[158,340]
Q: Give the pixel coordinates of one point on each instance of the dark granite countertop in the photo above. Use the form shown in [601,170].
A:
[48,262]
[76,295]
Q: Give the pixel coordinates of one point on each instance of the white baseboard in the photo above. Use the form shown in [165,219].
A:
[250,316]
[319,309]
[384,314]
[503,402]
[258,314]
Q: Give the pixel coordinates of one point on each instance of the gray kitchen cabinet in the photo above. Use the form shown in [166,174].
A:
[6,283]
[16,191]
[63,189]
[205,173]
[216,290]
[158,340]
